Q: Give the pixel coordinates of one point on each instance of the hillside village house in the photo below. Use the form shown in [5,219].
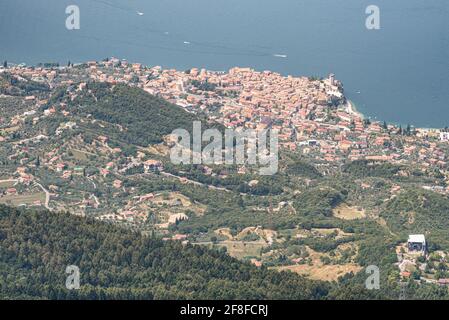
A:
[417,243]
[174,218]
[11,191]
[153,165]
[443,282]
[444,136]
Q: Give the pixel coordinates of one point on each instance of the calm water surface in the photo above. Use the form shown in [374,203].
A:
[399,73]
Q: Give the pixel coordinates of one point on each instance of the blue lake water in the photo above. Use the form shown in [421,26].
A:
[399,73]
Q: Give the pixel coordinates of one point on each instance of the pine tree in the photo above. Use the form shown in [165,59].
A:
[408,130]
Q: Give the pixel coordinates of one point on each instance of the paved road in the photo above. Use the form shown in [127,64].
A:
[47,195]
[195,182]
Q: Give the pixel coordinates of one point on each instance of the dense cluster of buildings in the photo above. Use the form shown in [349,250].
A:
[312,115]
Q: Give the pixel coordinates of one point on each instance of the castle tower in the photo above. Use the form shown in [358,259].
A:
[332,79]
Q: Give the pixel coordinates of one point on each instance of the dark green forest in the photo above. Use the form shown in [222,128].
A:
[36,246]
[141,118]
[117,263]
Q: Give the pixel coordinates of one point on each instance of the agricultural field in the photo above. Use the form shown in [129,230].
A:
[325,266]
[32,199]
[346,212]
[238,249]
[320,272]
[7,183]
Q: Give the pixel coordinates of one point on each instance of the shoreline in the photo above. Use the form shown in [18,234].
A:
[350,106]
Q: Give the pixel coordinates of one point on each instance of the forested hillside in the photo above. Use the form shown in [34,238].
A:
[36,247]
[141,118]
[11,85]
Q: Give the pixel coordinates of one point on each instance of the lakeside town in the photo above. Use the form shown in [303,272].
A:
[78,167]
[312,115]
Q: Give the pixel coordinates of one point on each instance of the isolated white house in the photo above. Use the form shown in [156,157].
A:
[417,242]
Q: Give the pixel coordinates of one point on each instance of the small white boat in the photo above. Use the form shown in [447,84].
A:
[140,13]
[280,55]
